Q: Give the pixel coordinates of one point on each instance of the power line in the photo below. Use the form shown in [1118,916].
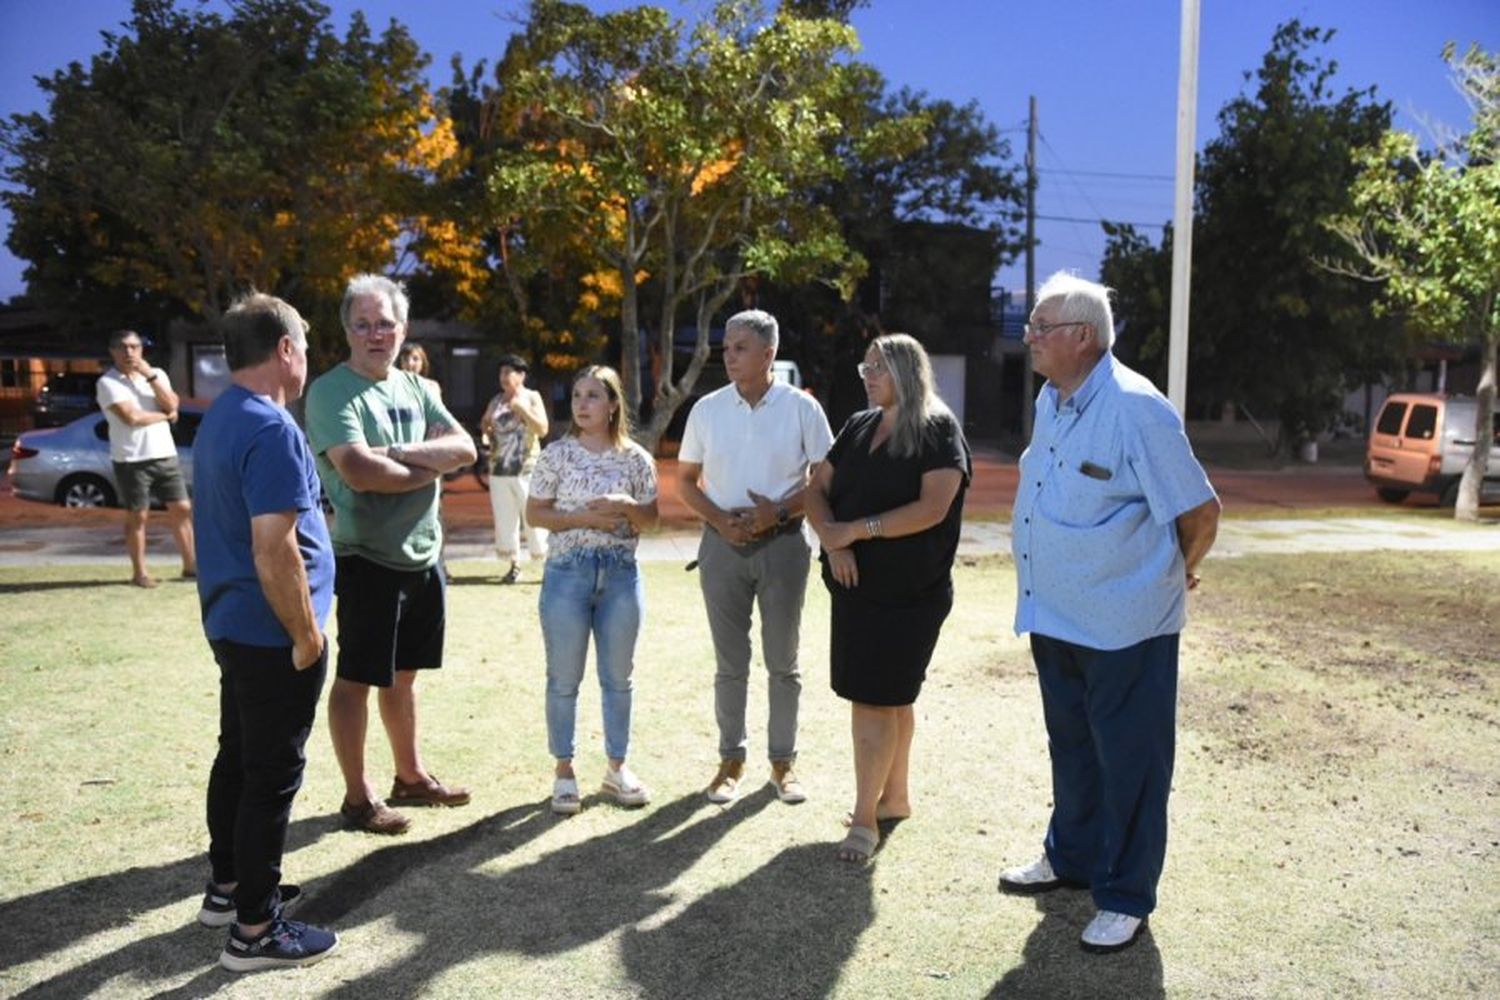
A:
[1107,173]
[1118,222]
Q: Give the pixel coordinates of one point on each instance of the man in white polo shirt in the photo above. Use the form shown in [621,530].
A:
[745,460]
[141,407]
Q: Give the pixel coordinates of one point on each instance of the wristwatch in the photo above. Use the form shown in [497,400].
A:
[394,453]
[782,515]
[153,376]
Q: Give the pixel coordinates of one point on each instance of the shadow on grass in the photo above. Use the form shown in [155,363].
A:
[1053,964]
[567,899]
[42,585]
[54,919]
[784,931]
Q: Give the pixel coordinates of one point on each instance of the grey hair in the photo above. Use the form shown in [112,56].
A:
[759,322]
[374,284]
[254,325]
[917,400]
[1081,301]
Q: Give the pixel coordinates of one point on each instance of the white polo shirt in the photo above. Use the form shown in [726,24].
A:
[127,443]
[766,448]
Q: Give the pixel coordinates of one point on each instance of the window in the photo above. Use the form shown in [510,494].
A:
[1390,419]
[1422,423]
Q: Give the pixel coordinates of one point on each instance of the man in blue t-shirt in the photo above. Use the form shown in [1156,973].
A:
[1113,515]
[265,583]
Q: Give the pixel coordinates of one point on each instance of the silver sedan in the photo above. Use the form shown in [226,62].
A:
[70,465]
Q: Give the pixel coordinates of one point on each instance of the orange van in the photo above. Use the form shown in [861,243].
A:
[1421,443]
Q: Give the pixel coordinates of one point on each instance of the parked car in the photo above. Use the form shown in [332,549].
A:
[1421,443]
[66,397]
[70,465]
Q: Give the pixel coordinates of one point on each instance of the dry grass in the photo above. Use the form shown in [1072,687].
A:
[1335,821]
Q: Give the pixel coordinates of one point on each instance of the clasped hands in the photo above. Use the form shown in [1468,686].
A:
[743,525]
[610,512]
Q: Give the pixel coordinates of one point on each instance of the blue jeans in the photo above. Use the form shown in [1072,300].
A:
[598,591]
[1111,731]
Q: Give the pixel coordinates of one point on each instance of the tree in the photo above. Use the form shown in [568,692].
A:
[684,160]
[199,155]
[1272,331]
[1426,229]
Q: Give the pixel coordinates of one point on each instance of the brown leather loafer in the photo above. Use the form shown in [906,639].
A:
[430,793]
[373,817]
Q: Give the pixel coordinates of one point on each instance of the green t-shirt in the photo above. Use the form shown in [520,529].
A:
[397,530]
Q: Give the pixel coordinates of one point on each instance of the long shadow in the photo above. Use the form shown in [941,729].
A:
[48,921]
[43,585]
[1053,964]
[786,930]
[562,901]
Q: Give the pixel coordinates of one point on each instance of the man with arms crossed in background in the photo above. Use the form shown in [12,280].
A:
[265,589]
[1113,515]
[140,406]
[744,463]
[383,440]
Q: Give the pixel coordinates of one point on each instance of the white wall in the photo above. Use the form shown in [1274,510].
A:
[948,373]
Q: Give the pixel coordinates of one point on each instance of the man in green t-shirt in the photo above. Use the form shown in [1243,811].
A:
[383,440]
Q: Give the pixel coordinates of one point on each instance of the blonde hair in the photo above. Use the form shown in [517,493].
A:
[916,398]
[619,421]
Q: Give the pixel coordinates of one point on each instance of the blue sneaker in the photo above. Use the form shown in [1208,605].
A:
[285,943]
[218,907]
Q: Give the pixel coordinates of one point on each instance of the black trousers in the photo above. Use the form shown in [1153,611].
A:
[266,711]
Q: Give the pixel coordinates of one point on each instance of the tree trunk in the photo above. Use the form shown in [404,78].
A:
[1467,508]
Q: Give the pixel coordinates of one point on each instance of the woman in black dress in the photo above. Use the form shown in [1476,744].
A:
[887,505]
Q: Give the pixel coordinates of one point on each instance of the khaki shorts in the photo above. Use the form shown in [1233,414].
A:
[140,481]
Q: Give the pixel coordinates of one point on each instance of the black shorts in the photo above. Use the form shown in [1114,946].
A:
[389,620]
[140,481]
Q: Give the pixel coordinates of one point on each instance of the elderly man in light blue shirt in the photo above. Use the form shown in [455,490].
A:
[1112,516]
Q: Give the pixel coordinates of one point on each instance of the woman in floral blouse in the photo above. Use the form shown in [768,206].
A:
[595,490]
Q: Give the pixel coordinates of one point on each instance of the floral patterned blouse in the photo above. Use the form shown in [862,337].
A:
[570,475]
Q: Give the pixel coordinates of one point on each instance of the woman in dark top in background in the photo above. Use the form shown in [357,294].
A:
[887,504]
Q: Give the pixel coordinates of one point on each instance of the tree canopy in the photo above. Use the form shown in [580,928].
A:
[685,159]
[199,155]
[1271,330]
[1425,228]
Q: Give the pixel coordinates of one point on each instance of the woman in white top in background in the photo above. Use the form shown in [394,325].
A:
[595,491]
[514,421]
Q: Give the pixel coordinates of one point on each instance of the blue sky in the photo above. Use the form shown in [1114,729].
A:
[1104,73]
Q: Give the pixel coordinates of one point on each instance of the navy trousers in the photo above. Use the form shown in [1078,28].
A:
[266,710]
[1111,732]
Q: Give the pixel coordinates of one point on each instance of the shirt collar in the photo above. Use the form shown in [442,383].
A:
[1078,402]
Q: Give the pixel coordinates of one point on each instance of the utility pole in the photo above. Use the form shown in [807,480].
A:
[1182,214]
[1028,383]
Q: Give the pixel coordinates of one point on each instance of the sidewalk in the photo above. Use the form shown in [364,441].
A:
[41,534]
[54,546]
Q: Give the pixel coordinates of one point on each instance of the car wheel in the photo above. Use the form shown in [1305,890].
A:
[1392,496]
[1449,496]
[85,491]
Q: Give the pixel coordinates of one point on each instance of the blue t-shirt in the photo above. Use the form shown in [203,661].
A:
[251,458]
[1094,534]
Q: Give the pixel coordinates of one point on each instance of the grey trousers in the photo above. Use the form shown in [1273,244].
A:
[772,574]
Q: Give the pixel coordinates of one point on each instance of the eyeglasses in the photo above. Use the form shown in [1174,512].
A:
[1042,329]
[384,327]
[867,369]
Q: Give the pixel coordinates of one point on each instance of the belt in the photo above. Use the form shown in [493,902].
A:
[792,526]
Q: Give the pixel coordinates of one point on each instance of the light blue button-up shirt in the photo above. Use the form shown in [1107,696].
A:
[1094,536]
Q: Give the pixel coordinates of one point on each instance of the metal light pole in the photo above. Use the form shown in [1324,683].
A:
[1182,214]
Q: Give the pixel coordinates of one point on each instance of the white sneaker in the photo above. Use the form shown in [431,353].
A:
[1111,931]
[1035,877]
[624,787]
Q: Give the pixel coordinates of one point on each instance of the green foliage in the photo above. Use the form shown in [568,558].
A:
[1426,228]
[684,161]
[199,155]
[1271,330]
